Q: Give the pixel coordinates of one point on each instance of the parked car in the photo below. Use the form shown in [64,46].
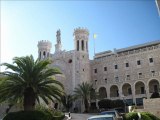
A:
[119,110]
[114,113]
[102,117]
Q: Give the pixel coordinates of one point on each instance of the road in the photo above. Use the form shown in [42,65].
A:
[77,116]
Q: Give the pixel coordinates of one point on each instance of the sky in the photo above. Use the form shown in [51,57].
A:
[117,23]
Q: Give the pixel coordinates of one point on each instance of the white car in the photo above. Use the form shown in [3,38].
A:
[114,113]
[102,117]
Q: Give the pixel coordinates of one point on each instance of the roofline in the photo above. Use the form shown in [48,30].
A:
[137,46]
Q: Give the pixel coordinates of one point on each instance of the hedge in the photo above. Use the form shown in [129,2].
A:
[144,116]
[57,115]
[27,115]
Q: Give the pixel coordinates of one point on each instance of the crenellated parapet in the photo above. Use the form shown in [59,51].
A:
[81,36]
[81,30]
[45,43]
[44,48]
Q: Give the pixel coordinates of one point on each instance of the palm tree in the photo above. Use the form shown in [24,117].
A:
[67,101]
[83,91]
[28,81]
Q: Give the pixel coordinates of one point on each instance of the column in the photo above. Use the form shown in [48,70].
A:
[133,94]
[108,92]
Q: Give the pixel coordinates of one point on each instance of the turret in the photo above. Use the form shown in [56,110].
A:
[58,46]
[81,39]
[44,48]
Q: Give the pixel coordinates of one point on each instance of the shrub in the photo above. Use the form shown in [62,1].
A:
[144,116]
[54,114]
[27,115]
[153,117]
[131,116]
[109,104]
[44,109]
[57,115]
[105,103]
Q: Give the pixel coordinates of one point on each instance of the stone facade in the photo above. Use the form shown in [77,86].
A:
[129,73]
[152,106]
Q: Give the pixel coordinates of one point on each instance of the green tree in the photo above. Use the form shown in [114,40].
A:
[28,80]
[83,91]
[67,101]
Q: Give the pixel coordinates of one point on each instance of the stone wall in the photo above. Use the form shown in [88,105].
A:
[152,106]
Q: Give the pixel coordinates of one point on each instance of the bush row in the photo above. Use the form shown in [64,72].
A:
[27,115]
[144,116]
[106,103]
[41,113]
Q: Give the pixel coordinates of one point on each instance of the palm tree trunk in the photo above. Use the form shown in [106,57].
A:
[29,99]
[86,104]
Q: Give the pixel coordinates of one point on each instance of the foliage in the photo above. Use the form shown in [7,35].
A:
[144,116]
[67,101]
[54,114]
[153,117]
[131,116]
[109,104]
[28,80]
[93,94]
[155,95]
[57,115]
[44,109]
[83,91]
[27,115]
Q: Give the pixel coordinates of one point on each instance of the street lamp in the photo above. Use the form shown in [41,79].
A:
[124,102]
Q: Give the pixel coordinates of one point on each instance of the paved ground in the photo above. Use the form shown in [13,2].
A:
[76,116]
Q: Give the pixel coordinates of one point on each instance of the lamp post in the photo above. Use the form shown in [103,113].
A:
[124,102]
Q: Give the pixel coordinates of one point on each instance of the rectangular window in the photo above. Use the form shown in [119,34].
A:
[127,64]
[128,77]
[138,62]
[95,81]
[140,75]
[142,90]
[153,73]
[105,80]
[116,78]
[105,68]
[116,66]
[95,70]
[151,60]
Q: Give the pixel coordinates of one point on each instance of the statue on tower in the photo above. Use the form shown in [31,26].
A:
[58,36]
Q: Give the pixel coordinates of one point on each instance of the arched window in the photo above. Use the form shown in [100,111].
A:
[82,45]
[102,93]
[40,54]
[77,45]
[44,54]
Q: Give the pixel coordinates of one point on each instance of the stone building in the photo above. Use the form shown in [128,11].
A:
[130,73]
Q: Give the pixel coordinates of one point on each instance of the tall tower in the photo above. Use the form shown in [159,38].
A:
[81,63]
[44,48]
[81,39]
[58,46]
